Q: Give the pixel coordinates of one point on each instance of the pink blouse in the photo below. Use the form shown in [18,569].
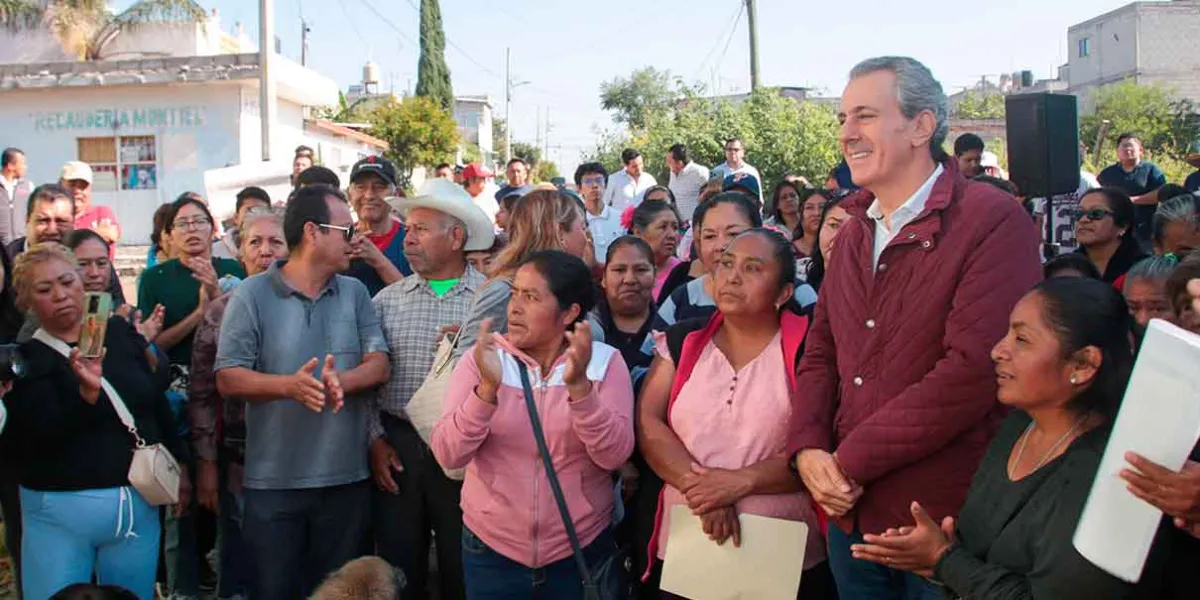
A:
[732,419]
[661,277]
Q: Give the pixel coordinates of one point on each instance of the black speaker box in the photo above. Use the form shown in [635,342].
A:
[1043,143]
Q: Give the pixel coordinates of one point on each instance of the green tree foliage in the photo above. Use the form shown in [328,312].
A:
[633,99]
[546,170]
[1165,123]
[418,130]
[499,132]
[433,76]
[85,28]
[975,105]
[471,154]
[531,154]
[344,112]
[782,136]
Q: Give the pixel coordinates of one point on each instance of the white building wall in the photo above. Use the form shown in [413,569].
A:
[147,41]
[1169,47]
[1113,52]
[45,124]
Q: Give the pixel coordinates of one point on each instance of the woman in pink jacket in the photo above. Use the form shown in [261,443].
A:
[514,541]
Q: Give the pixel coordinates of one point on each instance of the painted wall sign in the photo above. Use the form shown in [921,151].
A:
[186,117]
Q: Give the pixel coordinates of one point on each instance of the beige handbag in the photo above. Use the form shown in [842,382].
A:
[426,406]
[154,473]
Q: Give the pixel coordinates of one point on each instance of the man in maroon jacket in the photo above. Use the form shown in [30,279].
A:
[896,395]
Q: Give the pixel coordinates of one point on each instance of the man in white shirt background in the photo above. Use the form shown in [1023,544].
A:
[475,180]
[735,163]
[14,194]
[687,178]
[603,221]
[625,187]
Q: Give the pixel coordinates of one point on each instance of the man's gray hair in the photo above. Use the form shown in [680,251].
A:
[450,221]
[916,90]
[1180,209]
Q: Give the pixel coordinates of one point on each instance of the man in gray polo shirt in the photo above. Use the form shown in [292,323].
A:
[304,347]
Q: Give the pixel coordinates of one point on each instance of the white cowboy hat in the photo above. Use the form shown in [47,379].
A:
[451,198]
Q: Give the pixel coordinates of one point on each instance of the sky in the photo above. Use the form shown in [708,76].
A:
[565,49]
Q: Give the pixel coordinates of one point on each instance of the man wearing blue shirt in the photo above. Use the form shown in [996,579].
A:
[1192,183]
[1140,179]
[378,245]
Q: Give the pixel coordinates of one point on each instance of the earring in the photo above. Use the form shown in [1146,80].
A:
[1074,380]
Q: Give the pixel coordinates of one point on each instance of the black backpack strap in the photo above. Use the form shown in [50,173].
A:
[539,436]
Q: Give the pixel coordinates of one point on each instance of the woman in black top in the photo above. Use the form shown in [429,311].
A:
[624,314]
[812,268]
[625,317]
[80,515]
[1063,365]
[1104,230]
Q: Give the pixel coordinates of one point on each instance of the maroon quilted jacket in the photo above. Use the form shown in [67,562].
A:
[897,376]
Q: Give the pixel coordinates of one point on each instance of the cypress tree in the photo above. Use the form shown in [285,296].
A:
[433,76]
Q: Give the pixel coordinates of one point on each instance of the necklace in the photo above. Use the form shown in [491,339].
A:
[1049,453]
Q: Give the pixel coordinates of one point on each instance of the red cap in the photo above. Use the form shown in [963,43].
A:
[476,170]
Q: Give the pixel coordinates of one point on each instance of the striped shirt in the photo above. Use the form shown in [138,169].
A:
[412,315]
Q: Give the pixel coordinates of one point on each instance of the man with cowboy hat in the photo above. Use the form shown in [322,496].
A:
[1192,183]
[413,494]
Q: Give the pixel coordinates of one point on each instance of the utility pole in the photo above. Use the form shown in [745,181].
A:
[509,84]
[752,25]
[304,29]
[266,84]
[546,137]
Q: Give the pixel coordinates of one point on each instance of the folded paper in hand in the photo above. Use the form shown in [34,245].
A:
[1159,419]
[767,566]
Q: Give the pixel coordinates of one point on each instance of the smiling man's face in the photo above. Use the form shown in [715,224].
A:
[877,140]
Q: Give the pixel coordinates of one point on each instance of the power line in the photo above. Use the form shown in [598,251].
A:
[728,36]
[464,53]
[386,21]
[346,12]
[450,43]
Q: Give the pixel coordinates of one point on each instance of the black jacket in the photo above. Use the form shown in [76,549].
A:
[1129,253]
[62,442]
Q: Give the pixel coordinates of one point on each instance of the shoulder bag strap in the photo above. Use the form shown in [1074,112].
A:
[540,437]
[118,404]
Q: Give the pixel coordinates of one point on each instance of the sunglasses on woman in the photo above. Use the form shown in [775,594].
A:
[347,232]
[1095,214]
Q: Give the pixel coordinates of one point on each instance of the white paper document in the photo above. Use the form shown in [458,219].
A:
[1159,419]
[767,566]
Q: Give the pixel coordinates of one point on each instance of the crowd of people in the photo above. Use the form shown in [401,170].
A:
[526,383]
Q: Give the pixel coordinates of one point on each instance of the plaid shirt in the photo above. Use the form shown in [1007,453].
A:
[215,421]
[412,315]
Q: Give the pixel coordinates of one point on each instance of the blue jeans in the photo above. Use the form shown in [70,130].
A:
[863,580]
[69,536]
[489,575]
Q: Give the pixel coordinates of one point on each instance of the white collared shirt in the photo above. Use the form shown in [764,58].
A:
[9,186]
[885,232]
[623,191]
[487,203]
[686,187]
[604,227]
